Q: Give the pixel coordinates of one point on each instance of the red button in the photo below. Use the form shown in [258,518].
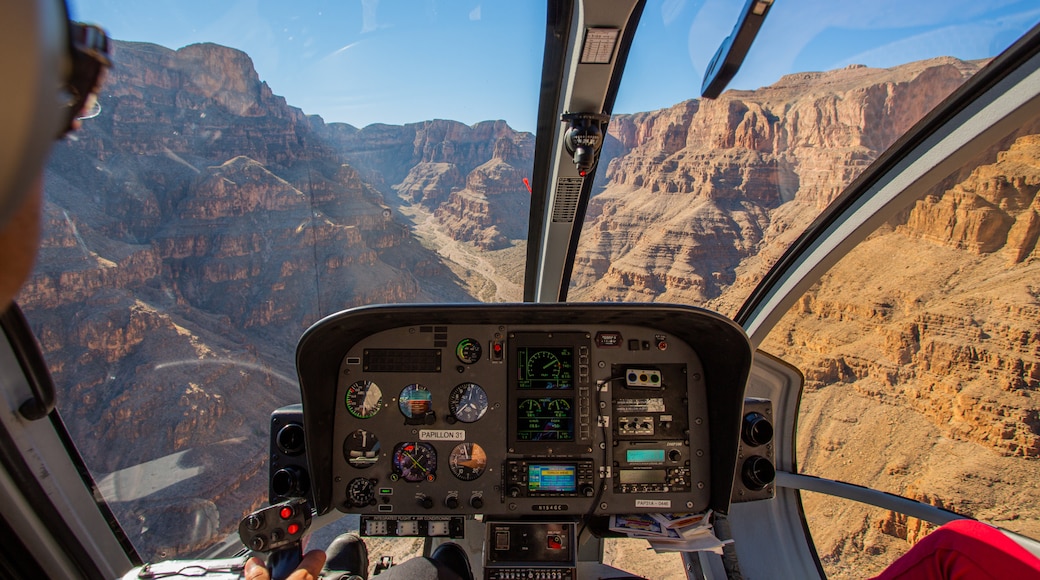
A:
[294,529]
[286,512]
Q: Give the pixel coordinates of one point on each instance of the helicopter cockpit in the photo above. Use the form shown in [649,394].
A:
[729,290]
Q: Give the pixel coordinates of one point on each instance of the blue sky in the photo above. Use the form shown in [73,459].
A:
[368,61]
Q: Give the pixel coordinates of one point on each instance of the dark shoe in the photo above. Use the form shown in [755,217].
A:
[347,556]
[454,558]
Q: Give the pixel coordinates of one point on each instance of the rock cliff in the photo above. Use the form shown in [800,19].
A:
[193,231]
[696,197]
[471,178]
[922,370]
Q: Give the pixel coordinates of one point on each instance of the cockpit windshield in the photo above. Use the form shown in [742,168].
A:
[259,166]
[696,199]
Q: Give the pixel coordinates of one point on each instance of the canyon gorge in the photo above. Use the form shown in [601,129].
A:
[201,224]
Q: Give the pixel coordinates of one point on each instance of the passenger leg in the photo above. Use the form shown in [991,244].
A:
[964,549]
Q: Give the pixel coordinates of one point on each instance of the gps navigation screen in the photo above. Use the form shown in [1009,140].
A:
[551,478]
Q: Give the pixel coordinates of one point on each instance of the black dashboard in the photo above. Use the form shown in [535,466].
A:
[520,410]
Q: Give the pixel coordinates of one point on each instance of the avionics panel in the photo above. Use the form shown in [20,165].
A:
[520,410]
[549,393]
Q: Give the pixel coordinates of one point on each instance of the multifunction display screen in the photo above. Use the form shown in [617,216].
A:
[552,478]
[545,419]
[545,367]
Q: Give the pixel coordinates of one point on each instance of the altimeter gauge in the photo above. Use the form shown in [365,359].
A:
[468,402]
[415,461]
[361,449]
[364,399]
[467,461]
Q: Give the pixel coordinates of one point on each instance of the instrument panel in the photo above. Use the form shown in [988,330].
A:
[520,410]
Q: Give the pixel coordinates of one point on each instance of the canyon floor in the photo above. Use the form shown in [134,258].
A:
[490,276]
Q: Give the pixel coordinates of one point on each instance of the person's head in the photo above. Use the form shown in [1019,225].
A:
[49,67]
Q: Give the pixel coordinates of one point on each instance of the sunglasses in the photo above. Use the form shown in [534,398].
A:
[90,60]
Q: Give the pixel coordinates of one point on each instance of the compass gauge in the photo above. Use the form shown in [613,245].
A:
[415,461]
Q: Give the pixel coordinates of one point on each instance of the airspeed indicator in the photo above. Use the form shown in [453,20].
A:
[364,399]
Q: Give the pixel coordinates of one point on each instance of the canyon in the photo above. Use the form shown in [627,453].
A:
[201,224]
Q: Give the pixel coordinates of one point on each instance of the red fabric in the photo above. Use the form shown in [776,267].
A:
[964,550]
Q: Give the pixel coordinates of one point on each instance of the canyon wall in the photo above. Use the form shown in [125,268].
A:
[698,200]
[192,233]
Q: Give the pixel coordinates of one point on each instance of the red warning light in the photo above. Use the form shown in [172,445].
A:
[582,173]
[286,512]
[293,529]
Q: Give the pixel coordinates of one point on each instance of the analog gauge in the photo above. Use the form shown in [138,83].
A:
[361,449]
[529,406]
[468,402]
[543,365]
[415,401]
[468,350]
[467,461]
[364,399]
[559,405]
[415,461]
[361,492]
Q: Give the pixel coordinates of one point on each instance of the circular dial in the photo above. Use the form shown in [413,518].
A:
[468,402]
[467,461]
[361,449]
[468,350]
[543,365]
[415,461]
[364,399]
[415,401]
[361,492]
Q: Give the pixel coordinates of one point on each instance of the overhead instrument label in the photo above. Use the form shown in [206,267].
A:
[442,434]
[653,405]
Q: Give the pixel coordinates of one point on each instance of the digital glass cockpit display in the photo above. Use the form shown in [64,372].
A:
[552,478]
[545,419]
[541,367]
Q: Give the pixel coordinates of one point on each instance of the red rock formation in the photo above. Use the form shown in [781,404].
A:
[735,165]
[193,232]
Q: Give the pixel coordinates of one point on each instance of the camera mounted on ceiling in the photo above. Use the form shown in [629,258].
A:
[584,138]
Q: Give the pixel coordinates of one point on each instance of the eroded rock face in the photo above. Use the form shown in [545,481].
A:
[193,232]
[693,193]
[921,366]
[472,178]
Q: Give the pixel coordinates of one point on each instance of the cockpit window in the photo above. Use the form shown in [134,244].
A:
[918,350]
[696,199]
[256,167]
